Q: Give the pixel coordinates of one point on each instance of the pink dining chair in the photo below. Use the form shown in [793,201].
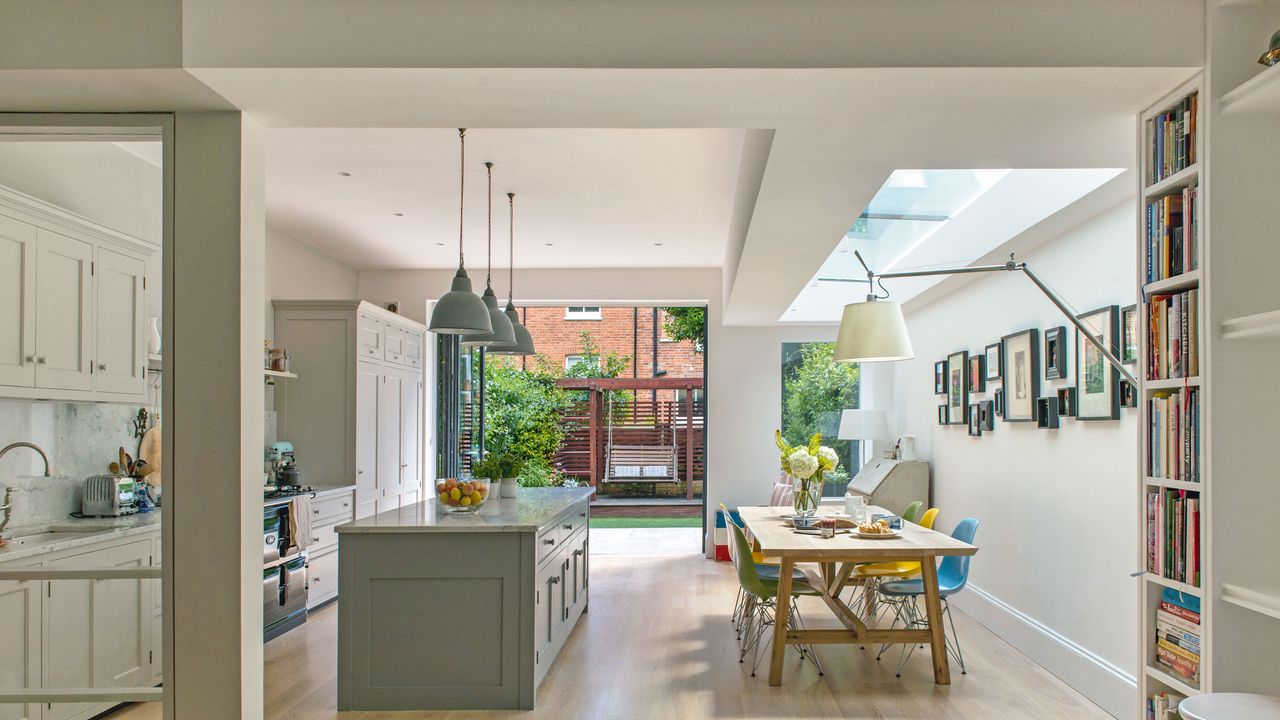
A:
[782,494]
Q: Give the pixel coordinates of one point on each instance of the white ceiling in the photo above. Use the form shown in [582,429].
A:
[584,198]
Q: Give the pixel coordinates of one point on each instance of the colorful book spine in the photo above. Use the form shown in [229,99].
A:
[1173,139]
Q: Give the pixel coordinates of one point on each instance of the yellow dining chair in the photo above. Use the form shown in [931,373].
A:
[869,574]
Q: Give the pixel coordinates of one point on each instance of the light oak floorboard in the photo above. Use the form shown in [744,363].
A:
[657,644]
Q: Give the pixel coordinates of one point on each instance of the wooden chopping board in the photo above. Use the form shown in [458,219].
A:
[149,450]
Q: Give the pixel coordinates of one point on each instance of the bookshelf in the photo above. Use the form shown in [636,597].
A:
[1238,271]
[1171,548]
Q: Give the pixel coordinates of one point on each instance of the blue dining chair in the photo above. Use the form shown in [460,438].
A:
[953,575]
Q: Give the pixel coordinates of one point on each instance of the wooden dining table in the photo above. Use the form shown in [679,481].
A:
[836,557]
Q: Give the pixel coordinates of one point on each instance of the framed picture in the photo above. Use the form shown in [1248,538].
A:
[993,361]
[1066,402]
[1020,353]
[975,420]
[987,412]
[942,414]
[1097,383]
[999,402]
[940,378]
[1128,395]
[957,388]
[1055,353]
[977,374]
[1129,335]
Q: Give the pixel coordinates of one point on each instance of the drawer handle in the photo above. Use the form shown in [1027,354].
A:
[577,553]
[582,514]
[315,512]
[567,527]
[549,542]
[346,504]
[555,581]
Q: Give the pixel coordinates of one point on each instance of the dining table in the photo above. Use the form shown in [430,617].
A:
[773,535]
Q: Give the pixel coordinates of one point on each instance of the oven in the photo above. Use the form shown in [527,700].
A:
[284,575]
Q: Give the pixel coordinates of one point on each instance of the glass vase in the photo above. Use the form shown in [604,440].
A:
[806,495]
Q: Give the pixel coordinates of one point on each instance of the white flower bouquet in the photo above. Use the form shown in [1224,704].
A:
[807,464]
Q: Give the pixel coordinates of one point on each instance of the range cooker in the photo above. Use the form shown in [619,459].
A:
[284,567]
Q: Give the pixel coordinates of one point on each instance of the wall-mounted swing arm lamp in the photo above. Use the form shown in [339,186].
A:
[875,330]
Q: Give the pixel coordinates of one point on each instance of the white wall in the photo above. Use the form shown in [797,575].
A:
[744,364]
[1058,536]
[298,271]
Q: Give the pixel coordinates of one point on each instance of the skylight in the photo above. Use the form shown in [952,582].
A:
[936,218]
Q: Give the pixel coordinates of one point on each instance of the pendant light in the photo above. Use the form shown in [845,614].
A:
[524,341]
[501,336]
[460,311]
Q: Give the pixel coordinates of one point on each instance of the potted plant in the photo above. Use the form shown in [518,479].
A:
[502,470]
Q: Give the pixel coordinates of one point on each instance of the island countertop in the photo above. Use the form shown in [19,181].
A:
[531,509]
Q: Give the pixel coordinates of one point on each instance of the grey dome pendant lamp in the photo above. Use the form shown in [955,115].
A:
[524,341]
[501,336]
[460,311]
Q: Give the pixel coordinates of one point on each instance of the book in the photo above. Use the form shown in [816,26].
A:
[1172,136]
[1177,623]
[1188,655]
[1181,599]
[1183,613]
[1178,666]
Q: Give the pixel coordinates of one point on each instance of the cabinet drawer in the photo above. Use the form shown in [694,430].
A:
[323,577]
[569,526]
[370,338]
[395,344]
[324,537]
[334,507]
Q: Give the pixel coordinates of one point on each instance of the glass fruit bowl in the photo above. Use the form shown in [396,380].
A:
[462,496]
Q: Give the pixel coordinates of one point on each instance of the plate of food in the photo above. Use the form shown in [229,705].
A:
[878,530]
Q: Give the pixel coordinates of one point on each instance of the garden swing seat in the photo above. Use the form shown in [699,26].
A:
[638,463]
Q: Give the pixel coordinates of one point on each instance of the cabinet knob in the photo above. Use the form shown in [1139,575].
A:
[566,527]
[555,581]
[549,542]
[31,358]
[346,504]
[359,472]
[102,366]
[40,361]
[577,553]
[315,512]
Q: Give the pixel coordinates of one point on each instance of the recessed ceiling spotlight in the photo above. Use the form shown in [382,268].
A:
[399,214]
[344,173]
[550,244]
[440,244]
[657,244]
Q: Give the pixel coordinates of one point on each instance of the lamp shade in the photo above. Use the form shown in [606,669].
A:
[864,425]
[501,336]
[524,341]
[873,331]
[460,311]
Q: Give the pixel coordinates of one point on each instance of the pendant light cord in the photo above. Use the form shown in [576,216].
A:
[488,271]
[511,277]
[462,186]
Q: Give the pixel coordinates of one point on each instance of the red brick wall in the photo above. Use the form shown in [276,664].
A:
[622,330]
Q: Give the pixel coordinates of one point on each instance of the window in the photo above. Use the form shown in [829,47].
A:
[815,390]
[582,312]
[681,396]
[571,360]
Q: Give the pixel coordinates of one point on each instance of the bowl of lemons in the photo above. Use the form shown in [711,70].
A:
[462,496]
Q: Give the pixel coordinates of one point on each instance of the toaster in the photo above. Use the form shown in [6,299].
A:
[109,496]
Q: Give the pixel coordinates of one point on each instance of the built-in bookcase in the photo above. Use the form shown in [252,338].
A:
[1232,266]
[1173,481]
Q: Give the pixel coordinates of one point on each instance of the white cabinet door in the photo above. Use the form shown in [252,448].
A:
[390,464]
[122,616]
[394,344]
[412,343]
[20,649]
[119,358]
[410,439]
[63,291]
[17,304]
[67,652]
[370,338]
[157,618]
[368,379]
[322,578]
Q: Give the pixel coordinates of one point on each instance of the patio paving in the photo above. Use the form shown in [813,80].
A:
[646,541]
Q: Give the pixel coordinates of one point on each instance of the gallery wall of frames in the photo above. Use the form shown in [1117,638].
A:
[1030,376]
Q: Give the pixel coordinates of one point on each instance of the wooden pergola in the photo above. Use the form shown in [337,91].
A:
[596,418]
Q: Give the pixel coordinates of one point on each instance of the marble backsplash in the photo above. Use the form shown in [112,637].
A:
[81,439]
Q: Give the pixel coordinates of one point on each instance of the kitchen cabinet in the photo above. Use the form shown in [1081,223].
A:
[72,308]
[332,508]
[120,350]
[17,303]
[20,609]
[355,411]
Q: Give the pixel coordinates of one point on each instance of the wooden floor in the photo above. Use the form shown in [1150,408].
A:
[657,643]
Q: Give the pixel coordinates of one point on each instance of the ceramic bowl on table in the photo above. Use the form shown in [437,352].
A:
[462,496]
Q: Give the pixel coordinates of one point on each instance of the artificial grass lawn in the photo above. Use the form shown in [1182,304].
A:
[646,522]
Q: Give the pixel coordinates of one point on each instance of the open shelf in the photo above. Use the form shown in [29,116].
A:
[279,374]
[1260,326]
[1171,681]
[1180,179]
[1172,383]
[1259,95]
[1261,596]
[1185,281]
[1181,587]
[1173,484]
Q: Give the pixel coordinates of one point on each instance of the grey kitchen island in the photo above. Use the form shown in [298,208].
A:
[459,612]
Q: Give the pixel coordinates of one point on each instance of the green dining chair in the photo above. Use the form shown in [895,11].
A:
[761,600]
[912,513]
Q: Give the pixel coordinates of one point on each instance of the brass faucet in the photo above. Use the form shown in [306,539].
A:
[7,508]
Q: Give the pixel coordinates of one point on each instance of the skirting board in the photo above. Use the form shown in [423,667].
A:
[1104,683]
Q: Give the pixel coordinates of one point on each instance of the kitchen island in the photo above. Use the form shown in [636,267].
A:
[459,612]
